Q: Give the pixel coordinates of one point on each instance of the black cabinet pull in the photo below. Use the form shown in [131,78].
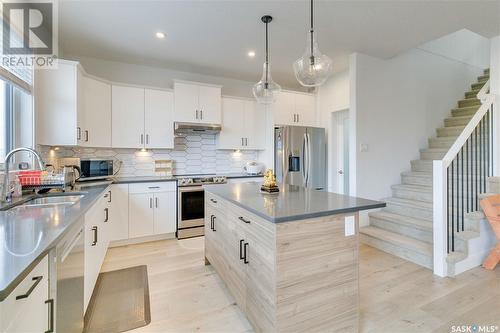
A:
[37,280]
[214,201]
[94,242]
[213,223]
[106,214]
[109,196]
[245,259]
[241,249]
[242,219]
[50,302]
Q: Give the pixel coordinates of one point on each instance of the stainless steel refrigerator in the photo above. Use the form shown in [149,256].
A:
[300,156]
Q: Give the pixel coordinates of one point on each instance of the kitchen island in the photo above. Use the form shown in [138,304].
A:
[289,259]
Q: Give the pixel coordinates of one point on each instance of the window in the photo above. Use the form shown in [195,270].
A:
[16,121]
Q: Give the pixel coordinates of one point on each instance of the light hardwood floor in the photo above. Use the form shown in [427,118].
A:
[395,295]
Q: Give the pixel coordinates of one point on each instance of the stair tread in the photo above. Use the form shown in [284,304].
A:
[467,108]
[402,219]
[408,202]
[416,188]
[468,117]
[417,173]
[467,234]
[399,240]
[455,257]
[477,215]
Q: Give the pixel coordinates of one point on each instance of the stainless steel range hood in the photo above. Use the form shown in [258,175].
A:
[196,128]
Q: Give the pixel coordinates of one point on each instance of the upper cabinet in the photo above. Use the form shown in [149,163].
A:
[95,130]
[294,108]
[242,124]
[72,108]
[197,103]
[142,118]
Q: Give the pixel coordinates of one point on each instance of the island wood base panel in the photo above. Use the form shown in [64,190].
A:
[286,277]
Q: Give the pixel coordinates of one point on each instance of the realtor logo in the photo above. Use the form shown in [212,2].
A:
[29,36]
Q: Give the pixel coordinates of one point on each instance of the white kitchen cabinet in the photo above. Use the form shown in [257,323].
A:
[165,213]
[197,103]
[142,118]
[158,119]
[118,229]
[96,128]
[58,105]
[141,214]
[28,311]
[127,117]
[96,235]
[242,122]
[294,108]
[152,209]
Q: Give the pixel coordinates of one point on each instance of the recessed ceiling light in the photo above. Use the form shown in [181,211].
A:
[160,35]
[251,54]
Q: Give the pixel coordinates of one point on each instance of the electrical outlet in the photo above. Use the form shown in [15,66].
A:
[350,226]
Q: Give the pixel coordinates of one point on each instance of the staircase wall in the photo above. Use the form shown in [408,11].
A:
[397,104]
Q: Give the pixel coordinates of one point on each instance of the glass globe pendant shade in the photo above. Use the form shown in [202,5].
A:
[266,90]
[313,68]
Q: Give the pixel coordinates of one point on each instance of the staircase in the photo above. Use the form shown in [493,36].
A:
[404,227]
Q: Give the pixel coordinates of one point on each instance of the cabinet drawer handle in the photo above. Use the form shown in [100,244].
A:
[150,202]
[245,259]
[201,114]
[94,242]
[243,220]
[106,214]
[109,196]
[213,223]
[153,187]
[142,139]
[298,118]
[213,201]
[78,133]
[196,114]
[37,280]
[86,136]
[241,249]
[50,302]
[147,139]
[156,202]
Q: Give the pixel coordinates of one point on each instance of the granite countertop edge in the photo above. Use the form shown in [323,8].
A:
[9,287]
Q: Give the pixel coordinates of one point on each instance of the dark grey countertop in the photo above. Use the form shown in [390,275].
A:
[292,203]
[27,234]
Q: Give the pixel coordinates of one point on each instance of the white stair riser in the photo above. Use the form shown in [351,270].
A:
[456,121]
[416,180]
[469,102]
[412,195]
[464,112]
[410,211]
[418,258]
[437,143]
[431,155]
[403,229]
[421,166]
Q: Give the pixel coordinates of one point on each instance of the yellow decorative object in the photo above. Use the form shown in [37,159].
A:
[270,184]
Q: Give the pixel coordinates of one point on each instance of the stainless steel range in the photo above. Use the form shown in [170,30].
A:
[191,211]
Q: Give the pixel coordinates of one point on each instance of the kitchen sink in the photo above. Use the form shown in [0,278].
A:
[51,201]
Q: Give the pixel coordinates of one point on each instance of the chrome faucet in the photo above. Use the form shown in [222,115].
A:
[6,197]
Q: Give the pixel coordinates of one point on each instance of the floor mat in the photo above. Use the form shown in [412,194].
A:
[120,301]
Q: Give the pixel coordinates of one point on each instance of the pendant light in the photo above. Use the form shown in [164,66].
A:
[266,90]
[313,68]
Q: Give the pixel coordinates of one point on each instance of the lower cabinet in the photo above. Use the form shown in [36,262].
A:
[97,236]
[240,248]
[152,209]
[28,307]
[118,229]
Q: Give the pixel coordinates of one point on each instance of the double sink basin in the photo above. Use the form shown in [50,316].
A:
[47,201]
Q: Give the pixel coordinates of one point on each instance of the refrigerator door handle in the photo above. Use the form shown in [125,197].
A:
[304,160]
[309,160]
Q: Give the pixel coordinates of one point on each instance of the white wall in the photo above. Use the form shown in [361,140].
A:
[397,105]
[464,46]
[332,97]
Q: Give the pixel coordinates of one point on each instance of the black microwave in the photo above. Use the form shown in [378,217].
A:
[95,169]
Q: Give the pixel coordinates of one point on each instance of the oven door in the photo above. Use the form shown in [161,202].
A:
[191,207]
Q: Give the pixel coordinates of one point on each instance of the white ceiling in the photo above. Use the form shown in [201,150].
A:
[213,37]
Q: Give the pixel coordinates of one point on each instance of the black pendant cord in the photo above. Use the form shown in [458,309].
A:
[312,33]
[267,55]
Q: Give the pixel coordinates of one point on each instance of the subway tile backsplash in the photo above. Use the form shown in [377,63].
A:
[192,154]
